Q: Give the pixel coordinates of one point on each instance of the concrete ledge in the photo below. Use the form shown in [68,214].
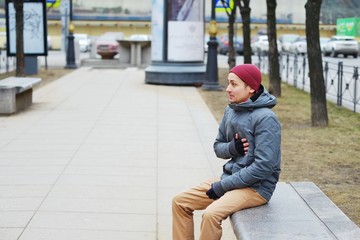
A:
[299,210]
[176,73]
[331,216]
[107,64]
[16,94]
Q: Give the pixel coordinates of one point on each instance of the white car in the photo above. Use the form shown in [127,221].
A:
[83,40]
[49,43]
[286,40]
[299,46]
[323,42]
[345,45]
[260,44]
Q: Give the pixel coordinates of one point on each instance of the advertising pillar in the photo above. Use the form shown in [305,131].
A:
[177,48]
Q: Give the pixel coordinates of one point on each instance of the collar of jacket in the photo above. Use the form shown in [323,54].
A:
[258,93]
[261,99]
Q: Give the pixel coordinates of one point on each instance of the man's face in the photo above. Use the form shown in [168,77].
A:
[238,91]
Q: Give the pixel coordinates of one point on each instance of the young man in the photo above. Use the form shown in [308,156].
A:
[250,137]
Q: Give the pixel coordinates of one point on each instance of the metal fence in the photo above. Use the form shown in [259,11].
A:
[341,81]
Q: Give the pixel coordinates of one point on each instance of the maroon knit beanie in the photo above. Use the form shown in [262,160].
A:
[249,74]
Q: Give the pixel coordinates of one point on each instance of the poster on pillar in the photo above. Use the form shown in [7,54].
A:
[34,28]
[185,30]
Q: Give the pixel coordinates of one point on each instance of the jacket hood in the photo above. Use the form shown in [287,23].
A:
[262,99]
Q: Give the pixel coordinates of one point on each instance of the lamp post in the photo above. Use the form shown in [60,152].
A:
[70,51]
[211,82]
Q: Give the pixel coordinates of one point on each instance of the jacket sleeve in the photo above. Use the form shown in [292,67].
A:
[267,141]
[222,145]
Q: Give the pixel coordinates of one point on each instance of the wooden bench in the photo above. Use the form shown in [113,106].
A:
[16,93]
[297,210]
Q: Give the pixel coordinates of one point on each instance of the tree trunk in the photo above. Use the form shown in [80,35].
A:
[232,51]
[245,15]
[20,61]
[274,72]
[319,116]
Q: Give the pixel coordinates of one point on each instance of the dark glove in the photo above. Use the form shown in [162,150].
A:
[236,146]
[211,194]
[216,191]
[239,145]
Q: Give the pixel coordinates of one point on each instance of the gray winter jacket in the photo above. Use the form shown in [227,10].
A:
[260,167]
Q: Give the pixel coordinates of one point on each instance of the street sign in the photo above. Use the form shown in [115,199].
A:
[219,4]
[53,3]
[227,6]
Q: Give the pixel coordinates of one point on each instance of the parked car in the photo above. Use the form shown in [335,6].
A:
[260,44]
[299,46]
[345,45]
[223,47]
[84,41]
[286,40]
[323,42]
[49,42]
[107,45]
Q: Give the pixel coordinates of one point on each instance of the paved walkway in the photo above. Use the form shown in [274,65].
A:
[99,155]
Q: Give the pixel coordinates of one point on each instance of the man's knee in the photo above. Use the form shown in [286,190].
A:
[177,200]
[210,215]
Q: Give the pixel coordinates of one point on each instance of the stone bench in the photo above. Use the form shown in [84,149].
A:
[297,210]
[16,93]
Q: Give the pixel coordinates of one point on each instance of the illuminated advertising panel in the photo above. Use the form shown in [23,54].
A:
[35,32]
[185,30]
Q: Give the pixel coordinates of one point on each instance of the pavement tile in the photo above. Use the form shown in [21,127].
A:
[28,169]
[109,170]
[94,221]
[30,179]
[181,178]
[24,191]
[15,219]
[103,192]
[100,205]
[106,180]
[20,203]
[81,234]
[10,233]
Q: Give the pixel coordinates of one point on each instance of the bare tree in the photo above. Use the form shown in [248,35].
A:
[319,116]
[274,72]
[245,15]
[231,52]
[20,62]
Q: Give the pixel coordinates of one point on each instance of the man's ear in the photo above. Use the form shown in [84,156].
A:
[252,91]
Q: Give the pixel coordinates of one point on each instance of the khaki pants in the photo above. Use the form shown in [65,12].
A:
[215,212]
